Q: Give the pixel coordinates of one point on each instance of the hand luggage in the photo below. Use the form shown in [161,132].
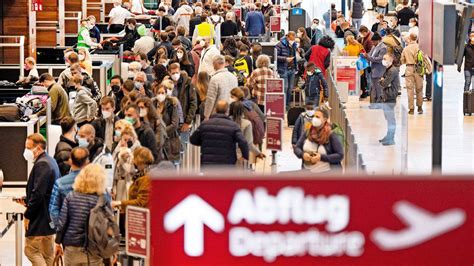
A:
[468,102]
[9,113]
[296,108]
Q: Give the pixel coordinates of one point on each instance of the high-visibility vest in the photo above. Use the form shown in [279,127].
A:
[80,40]
[206,30]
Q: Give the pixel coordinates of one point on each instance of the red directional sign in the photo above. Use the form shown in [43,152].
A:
[137,232]
[274,133]
[275,24]
[299,220]
[274,86]
[275,105]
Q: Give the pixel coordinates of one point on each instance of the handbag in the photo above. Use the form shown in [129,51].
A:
[362,63]
[58,260]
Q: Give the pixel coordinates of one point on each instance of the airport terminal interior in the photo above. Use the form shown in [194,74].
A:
[163,109]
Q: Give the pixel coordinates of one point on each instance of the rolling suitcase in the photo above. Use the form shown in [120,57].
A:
[468,102]
[295,108]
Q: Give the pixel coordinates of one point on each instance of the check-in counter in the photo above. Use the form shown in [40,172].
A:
[12,142]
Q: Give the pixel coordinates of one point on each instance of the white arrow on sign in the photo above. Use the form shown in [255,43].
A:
[193,213]
[422,226]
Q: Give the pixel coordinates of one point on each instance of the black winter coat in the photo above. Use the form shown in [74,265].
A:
[62,152]
[147,138]
[99,126]
[38,193]
[218,137]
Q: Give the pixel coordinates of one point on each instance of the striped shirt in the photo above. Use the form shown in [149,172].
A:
[256,83]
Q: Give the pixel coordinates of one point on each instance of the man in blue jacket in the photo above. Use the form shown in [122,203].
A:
[254,22]
[286,62]
[79,159]
[218,137]
[39,229]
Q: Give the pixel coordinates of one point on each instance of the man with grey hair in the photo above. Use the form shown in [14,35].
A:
[220,85]
[254,22]
[256,82]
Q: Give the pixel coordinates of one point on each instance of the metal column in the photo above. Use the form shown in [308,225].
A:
[437,130]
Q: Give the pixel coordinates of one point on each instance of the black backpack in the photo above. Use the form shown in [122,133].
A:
[102,234]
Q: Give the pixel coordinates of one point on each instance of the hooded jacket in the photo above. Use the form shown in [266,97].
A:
[283,52]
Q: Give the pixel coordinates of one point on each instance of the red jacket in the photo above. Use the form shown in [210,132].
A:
[320,56]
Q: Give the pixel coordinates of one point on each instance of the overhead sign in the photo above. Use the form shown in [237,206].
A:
[275,24]
[299,220]
[137,229]
[274,133]
[37,5]
[275,105]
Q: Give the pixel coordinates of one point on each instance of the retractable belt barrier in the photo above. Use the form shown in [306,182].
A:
[17,219]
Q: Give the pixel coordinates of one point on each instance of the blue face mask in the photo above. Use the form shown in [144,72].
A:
[82,142]
[118,133]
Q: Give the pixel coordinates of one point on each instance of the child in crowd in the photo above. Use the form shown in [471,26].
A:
[314,83]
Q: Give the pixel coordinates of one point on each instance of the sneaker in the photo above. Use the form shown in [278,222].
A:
[427,99]
[420,110]
[383,140]
[411,112]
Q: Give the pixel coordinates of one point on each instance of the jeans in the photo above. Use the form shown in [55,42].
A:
[356,22]
[467,80]
[288,84]
[381,10]
[389,114]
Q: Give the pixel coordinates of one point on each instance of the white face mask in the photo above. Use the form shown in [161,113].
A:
[202,43]
[411,24]
[309,73]
[291,43]
[106,114]
[316,122]
[28,155]
[310,112]
[161,97]
[386,63]
[299,34]
[143,112]
[130,27]
[265,4]
[81,57]
[314,26]
[179,55]
[169,92]
[175,76]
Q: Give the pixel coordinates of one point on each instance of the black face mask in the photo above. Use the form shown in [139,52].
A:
[115,88]
[71,88]
[129,143]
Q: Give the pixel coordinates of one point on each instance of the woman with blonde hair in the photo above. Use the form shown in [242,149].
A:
[85,60]
[88,189]
[353,47]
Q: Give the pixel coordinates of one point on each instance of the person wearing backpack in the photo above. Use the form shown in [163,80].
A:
[413,78]
[243,63]
[320,148]
[390,83]
[72,231]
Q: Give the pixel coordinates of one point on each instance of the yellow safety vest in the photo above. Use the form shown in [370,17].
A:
[206,30]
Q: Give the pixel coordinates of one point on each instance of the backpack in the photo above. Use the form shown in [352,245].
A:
[420,67]
[103,234]
[258,129]
[215,23]
[242,67]
[105,159]
[337,129]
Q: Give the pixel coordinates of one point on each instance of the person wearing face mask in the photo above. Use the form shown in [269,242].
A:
[145,44]
[167,109]
[187,97]
[303,123]
[115,89]
[148,112]
[139,191]
[93,30]
[267,10]
[207,57]
[319,147]
[67,141]
[126,143]
[83,37]
[315,32]
[39,236]
[143,85]
[131,35]
[117,17]
[390,83]
[58,97]
[305,41]
[104,125]
[286,62]
[145,134]
[85,60]
[85,107]
[181,57]
[314,82]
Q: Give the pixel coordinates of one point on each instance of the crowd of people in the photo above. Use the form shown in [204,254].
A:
[198,64]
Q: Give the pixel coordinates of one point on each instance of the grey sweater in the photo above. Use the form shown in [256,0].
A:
[85,108]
